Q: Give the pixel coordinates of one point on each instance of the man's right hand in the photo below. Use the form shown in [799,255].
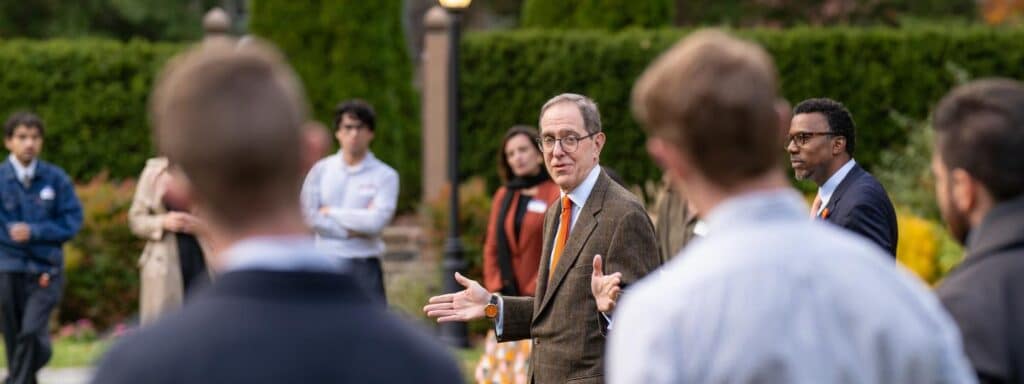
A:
[464,305]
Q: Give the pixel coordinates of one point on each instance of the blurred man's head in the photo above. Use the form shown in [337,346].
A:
[355,123]
[232,119]
[570,138]
[977,162]
[23,136]
[821,139]
[711,108]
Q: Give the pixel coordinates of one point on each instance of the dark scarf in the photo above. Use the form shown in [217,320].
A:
[508,280]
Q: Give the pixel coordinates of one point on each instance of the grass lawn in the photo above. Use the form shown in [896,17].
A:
[467,361]
[67,353]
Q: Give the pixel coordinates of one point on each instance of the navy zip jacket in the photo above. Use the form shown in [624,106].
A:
[51,209]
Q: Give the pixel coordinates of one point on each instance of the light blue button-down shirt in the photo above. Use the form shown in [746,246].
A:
[280,253]
[771,297]
[826,190]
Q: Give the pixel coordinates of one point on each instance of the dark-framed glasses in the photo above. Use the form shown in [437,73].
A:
[802,138]
[569,143]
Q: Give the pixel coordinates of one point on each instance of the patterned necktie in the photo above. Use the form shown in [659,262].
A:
[26,180]
[563,234]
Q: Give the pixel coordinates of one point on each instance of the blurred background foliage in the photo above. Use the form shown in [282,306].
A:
[87,66]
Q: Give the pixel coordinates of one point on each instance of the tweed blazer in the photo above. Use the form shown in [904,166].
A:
[562,317]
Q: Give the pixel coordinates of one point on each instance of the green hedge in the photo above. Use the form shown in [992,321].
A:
[353,49]
[598,14]
[507,76]
[92,95]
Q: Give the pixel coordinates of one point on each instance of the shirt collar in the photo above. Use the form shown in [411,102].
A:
[279,253]
[581,193]
[827,189]
[22,170]
[756,207]
[367,160]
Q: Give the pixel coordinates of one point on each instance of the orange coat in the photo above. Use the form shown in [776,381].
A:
[524,250]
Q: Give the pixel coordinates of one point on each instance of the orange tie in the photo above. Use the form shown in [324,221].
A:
[815,206]
[563,234]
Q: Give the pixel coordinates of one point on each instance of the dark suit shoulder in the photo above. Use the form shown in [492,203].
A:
[282,327]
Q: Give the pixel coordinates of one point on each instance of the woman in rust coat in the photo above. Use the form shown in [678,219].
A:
[514,240]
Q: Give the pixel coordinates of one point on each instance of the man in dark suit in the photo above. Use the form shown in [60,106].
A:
[279,310]
[979,184]
[595,216]
[821,145]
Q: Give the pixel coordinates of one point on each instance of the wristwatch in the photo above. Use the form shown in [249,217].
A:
[491,310]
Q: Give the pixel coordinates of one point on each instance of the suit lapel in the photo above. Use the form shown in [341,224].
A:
[854,174]
[586,223]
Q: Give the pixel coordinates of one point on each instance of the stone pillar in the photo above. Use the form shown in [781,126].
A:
[434,101]
[216,24]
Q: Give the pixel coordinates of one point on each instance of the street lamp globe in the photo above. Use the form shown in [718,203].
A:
[455,4]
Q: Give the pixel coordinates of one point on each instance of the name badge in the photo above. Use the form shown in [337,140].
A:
[536,206]
[47,193]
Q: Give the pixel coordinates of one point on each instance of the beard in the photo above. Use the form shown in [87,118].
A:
[956,221]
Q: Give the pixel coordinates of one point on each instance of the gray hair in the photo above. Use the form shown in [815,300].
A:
[588,108]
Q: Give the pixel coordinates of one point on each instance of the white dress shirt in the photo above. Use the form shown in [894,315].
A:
[826,190]
[361,201]
[770,297]
[23,172]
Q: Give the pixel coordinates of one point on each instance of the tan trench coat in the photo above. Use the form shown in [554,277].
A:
[161,288]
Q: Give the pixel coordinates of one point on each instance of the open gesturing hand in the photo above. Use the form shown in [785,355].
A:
[605,288]
[464,305]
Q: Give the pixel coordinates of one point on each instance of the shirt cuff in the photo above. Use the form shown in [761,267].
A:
[498,325]
[608,319]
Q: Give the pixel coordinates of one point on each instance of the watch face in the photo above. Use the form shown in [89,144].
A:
[491,311]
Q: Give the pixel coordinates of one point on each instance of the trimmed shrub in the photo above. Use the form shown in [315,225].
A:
[873,71]
[101,261]
[598,14]
[340,55]
[92,95]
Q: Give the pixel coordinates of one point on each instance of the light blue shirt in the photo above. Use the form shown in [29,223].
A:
[826,190]
[22,171]
[578,196]
[769,296]
[282,253]
[361,201]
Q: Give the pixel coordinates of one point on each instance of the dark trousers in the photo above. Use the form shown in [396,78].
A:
[368,274]
[26,308]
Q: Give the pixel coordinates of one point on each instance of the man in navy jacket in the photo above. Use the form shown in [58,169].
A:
[821,144]
[40,212]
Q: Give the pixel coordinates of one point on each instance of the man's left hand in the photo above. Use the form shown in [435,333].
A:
[20,232]
[605,288]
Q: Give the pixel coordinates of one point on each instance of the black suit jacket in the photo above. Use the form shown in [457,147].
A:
[279,327]
[984,294]
[861,205]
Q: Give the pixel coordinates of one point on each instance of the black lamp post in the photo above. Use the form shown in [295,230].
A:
[453,334]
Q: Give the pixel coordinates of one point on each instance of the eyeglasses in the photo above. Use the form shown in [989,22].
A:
[347,127]
[802,138]
[569,143]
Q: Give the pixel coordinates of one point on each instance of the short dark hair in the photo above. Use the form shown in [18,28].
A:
[840,121]
[504,170]
[358,109]
[27,119]
[979,128]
